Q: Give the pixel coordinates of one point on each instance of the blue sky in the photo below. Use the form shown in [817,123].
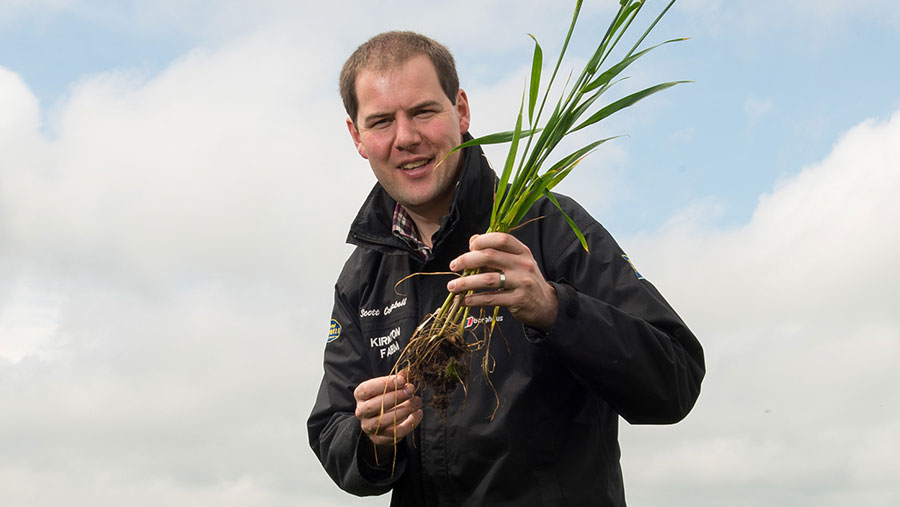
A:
[166,266]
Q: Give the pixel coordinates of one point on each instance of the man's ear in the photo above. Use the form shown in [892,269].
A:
[462,109]
[354,133]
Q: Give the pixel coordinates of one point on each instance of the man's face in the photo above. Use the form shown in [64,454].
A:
[405,126]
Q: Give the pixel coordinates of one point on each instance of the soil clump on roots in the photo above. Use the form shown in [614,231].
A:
[439,361]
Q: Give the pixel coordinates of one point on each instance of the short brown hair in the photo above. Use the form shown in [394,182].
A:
[391,49]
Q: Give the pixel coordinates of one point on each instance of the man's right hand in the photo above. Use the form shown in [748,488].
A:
[387,410]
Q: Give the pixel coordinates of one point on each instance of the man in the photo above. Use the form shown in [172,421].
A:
[582,338]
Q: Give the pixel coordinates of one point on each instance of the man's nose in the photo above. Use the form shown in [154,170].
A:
[407,134]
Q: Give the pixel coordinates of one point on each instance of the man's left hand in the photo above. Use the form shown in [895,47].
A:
[510,277]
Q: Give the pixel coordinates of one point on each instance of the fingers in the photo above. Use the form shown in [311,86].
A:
[498,241]
[387,408]
[409,424]
[378,395]
[379,386]
[394,425]
[519,294]
[507,264]
[491,280]
[494,250]
[382,403]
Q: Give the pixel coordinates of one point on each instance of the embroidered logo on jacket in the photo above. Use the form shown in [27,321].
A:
[471,321]
[386,345]
[335,331]
[376,312]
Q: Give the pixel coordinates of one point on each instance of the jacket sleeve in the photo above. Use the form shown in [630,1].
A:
[334,431]
[616,333]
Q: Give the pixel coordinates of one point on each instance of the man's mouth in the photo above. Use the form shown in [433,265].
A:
[414,165]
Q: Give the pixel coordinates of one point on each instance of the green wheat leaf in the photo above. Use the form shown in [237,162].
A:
[571,222]
[536,63]
[626,102]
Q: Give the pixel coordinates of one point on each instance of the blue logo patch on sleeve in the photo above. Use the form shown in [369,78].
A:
[335,331]
[632,267]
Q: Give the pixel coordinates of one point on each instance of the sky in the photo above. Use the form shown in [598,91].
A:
[176,183]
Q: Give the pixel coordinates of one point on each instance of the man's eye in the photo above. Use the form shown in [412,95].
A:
[425,113]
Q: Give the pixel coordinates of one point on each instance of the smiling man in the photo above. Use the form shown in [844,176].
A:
[587,339]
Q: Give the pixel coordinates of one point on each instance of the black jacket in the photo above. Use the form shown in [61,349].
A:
[617,348]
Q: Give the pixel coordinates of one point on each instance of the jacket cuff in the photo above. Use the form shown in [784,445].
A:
[382,474]
[567,311]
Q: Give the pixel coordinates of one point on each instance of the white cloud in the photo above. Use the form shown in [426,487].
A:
[28,323]
[21,115]
[797,312]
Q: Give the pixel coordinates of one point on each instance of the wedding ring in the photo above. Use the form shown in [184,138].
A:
[502,280]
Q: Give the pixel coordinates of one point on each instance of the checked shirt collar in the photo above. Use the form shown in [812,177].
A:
[404,228]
